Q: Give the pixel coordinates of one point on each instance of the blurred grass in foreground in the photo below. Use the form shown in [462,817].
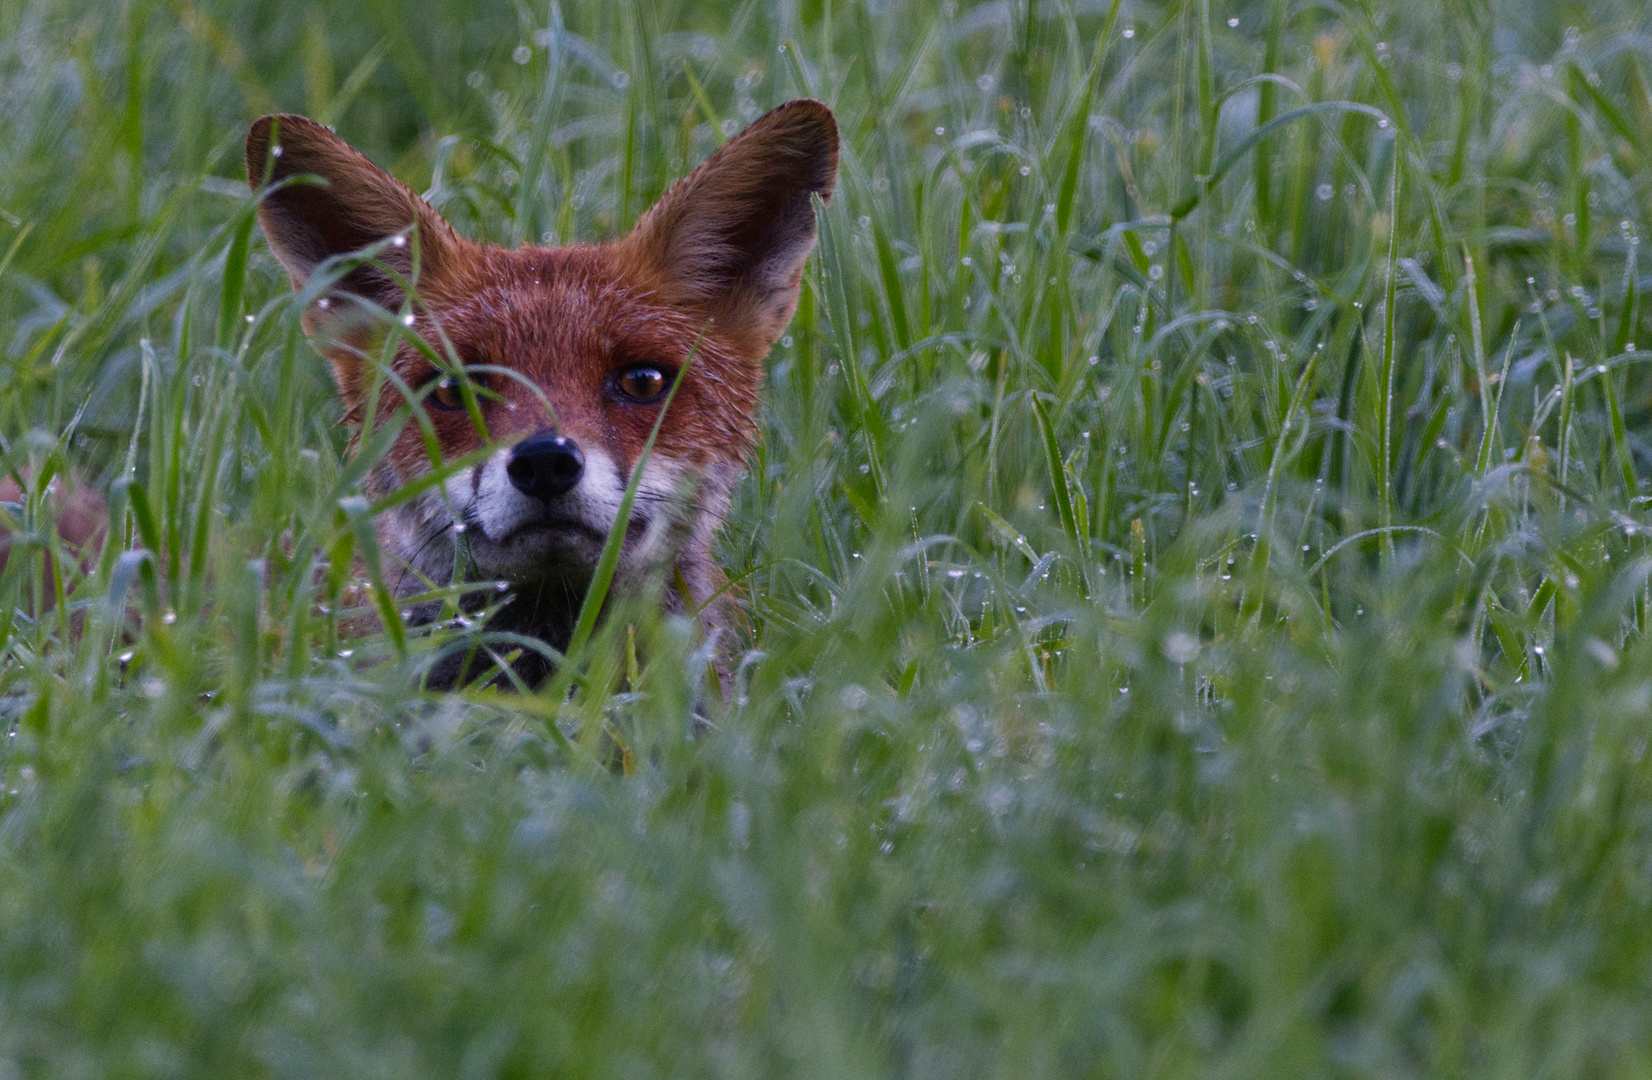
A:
[1197,562]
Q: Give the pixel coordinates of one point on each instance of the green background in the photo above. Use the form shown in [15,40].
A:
[1196,562]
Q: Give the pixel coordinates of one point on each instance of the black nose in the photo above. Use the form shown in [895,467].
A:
[545,465]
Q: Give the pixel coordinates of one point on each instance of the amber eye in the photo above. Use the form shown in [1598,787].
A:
[445,396]
[642,383]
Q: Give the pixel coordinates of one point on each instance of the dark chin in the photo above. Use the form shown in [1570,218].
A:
[541,553]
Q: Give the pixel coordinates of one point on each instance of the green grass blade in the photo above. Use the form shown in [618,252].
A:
[602,577]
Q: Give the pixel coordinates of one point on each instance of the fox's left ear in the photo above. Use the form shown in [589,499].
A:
[730,239]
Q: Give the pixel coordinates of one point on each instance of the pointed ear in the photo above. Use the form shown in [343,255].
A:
[355,205]
[730,239]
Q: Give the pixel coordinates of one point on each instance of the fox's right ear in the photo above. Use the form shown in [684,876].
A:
[730,239]
[354,204]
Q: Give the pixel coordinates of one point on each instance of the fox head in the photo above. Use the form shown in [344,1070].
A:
[551,364]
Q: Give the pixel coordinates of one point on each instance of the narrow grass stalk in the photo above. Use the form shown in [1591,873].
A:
[602,576]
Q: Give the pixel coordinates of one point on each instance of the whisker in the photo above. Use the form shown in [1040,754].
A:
[407,564]
[643,496]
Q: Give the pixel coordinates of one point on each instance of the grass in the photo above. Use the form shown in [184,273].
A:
[1196,562]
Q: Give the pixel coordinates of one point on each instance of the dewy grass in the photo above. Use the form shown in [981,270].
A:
[1194,570]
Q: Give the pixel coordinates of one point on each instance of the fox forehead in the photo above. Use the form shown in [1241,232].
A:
[561,306]
[563,323]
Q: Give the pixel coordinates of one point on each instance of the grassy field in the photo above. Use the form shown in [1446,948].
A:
[1196,563]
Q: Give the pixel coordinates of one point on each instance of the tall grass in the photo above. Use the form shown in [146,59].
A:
[1195,566]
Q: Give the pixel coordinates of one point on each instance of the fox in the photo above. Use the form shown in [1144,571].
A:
[556,363]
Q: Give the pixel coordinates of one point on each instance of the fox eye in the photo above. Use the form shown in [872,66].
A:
[642,383]
[445,396]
